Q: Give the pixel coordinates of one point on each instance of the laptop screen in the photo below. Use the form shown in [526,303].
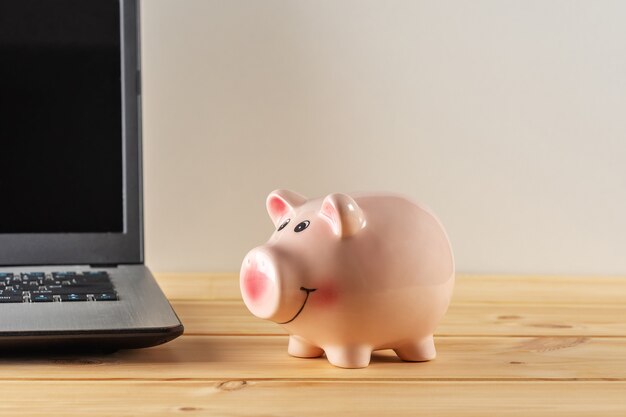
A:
[61,159]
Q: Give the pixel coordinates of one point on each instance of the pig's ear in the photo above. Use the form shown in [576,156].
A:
[343,213]
[280,202]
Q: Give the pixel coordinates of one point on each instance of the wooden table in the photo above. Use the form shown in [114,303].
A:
[509,346]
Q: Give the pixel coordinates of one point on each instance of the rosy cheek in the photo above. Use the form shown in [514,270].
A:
[325,295]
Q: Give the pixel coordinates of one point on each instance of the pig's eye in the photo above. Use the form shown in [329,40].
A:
[285,223]
[301,226]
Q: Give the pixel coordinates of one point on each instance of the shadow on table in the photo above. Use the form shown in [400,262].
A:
[176,351]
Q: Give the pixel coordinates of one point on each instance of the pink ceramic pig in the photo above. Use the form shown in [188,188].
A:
[349,274]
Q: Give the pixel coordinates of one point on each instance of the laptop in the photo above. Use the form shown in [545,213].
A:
[72,270]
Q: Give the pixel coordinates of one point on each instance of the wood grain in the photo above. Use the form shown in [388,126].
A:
[198,286]
[312,398]
[488,289]
[262,357]
[233,318]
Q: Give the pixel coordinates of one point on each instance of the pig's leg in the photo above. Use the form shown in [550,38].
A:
[349,356]
[417,350]
[302,349]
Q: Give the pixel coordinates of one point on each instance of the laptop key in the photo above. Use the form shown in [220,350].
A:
[92,279]
[77,290]
[107,296]
[11,299]
[41,298]
[73,297]
[63,274]
[106,284]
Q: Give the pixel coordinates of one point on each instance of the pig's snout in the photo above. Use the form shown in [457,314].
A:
[271,289]
[255,284]
[259,284]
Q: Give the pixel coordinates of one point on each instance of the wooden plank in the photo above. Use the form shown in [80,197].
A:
[199,286]
[222,318]
[305,398]
[233,318]
[263,357]
[469,289]
[540,289]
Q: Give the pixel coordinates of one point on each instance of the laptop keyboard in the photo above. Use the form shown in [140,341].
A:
[48,287]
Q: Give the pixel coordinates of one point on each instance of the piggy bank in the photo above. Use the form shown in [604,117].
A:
[349,274]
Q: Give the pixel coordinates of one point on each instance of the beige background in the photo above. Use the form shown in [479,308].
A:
[508,118]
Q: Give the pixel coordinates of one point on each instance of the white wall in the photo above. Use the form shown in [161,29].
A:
[508,118]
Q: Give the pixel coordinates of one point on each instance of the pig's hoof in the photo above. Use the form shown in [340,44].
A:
[302,349]
[349,357]
[418,350]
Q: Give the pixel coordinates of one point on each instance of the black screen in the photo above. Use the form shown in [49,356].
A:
[60,117]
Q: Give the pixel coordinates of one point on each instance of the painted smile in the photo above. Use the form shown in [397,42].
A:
[308,291]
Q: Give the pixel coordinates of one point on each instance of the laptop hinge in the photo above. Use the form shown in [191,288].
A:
[103,265]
